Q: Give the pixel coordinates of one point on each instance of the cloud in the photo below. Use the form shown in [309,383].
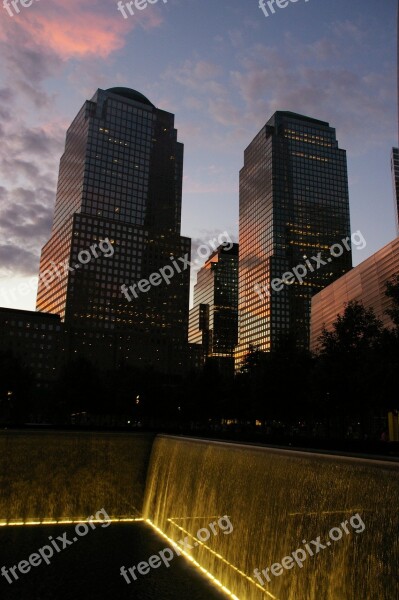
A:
[89,75]
[25,222]
[311,78]
[315,78]
[348,29]
[28,168]
[30,155]
[16,260]
[224,112]
[207,185]
[35,46]
[331,94]
[26,58]
[73,29]
[16,167]
[199,76]
[34,143]
[47,37]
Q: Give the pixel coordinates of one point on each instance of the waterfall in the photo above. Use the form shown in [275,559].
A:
[278,500]
[58,475]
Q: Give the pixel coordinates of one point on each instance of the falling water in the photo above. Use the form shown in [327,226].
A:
[276,500]
[55,475]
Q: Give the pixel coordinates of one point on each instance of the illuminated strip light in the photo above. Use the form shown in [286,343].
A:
[194,562]
[189,518]
[67,521]
[236,569]
[332,512]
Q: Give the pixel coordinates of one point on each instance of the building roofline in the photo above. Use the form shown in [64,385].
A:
[287,113]
[29,313]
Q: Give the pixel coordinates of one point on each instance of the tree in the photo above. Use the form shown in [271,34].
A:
[277,382]
[347,376]
[392,291]
[356,331]
[389,358]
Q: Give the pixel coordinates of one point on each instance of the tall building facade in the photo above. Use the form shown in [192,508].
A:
[395,151]
[213,319]
[294,205]
[395,183]
[117,222]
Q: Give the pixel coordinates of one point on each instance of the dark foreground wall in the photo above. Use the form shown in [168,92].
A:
[90,567]
[51,475]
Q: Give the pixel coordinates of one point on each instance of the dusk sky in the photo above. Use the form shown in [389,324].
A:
[222,68]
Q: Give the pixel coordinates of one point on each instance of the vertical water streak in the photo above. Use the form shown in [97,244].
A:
[275,499]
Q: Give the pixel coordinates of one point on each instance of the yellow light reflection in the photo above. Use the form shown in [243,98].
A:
[194,562]
[5,523]
[207,573]
[236,569]
[332,512]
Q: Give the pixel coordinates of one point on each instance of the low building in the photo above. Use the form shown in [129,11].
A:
[365,283]
[44,345]
[34,338]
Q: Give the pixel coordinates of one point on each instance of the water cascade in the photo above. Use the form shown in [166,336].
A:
[278,500]
[68,475]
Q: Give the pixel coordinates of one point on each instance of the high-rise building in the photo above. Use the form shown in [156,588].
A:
[294,205]
[395,151]
[395,183]
[116,223]
[214,317]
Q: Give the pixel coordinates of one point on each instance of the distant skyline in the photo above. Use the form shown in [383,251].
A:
[223,71]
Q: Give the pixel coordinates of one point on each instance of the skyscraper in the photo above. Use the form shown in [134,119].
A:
[395,151]
[214,317]
[294,204]
[119,188]
[395,183]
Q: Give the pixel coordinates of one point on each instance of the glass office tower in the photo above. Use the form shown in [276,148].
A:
[294,204]
[395,183]
[395,151]
[213,319]
[120,179]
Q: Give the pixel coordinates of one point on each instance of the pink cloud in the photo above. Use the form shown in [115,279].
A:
[74,29]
